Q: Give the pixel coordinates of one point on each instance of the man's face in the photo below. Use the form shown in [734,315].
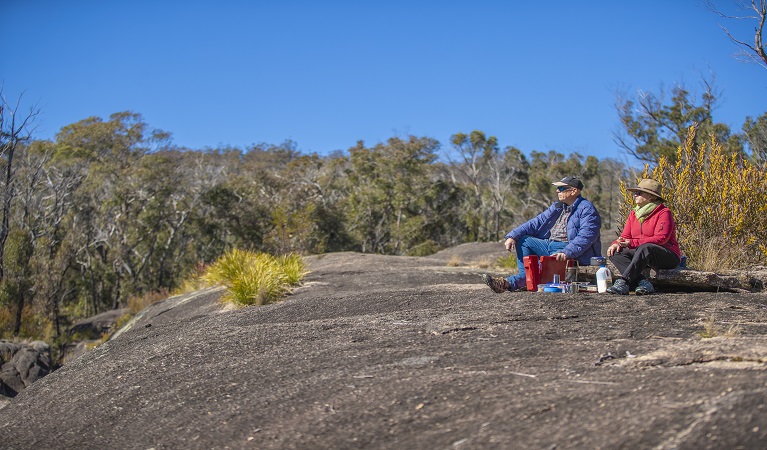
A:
[567,194]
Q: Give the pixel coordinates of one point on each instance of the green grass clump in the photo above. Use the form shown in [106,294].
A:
[507,262]
[256,278]
[293,267]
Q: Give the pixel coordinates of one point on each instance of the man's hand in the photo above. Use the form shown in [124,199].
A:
[613,249]
[509,244]
[560,256]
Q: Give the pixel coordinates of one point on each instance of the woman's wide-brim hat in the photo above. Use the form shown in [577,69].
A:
[651,187]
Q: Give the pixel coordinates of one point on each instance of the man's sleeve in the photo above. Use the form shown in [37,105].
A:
[533,226]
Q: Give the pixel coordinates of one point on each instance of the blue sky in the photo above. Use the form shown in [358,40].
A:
[538,75]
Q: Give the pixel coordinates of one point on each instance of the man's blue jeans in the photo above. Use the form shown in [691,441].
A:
[528,245]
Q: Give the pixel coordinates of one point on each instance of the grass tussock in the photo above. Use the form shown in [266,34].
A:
[507,262]
[484,263]
[711,329]
[717,253]
[454,261]
[256,278]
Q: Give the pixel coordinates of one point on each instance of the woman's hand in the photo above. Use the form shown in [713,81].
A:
[614,248]
[623,242]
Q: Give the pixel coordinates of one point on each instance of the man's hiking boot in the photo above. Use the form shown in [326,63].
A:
[645,288]
[620,287]
[498,285]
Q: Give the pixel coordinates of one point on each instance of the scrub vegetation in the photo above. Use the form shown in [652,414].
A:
[717,198]
[110,214]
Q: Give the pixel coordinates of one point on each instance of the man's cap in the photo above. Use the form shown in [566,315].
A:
[569,181]
[651,187]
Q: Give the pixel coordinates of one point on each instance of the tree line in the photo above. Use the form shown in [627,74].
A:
[110,209]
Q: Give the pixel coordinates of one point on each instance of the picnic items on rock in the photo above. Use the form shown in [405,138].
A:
[547,274]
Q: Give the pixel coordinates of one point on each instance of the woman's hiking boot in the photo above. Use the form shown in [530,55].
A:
[620,287]
[644,288]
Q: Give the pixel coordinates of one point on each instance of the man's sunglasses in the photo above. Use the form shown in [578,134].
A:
[563,188]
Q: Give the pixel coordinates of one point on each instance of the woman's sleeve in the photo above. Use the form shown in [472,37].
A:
[626,233]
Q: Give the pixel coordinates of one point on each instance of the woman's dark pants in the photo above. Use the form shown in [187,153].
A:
[631,262]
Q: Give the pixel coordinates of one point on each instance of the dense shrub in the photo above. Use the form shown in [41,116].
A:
[718,201]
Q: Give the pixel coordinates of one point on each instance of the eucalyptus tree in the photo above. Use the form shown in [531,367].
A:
[546,167]
[115,241]
[239,208]
[15,287]
[444,206]
[16,129]
[755,135]
[39,214]
[508,175]
[476,152]
[309,217]
[188,177]
[219,220]
[653,125]
[602,178]
[386,186]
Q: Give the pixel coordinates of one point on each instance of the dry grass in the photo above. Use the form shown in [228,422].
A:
[138,303]
[194,282]
[454,261]
[717,254]
[483,263]
[711,329]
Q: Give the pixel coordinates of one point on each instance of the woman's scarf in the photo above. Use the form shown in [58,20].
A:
[642,212]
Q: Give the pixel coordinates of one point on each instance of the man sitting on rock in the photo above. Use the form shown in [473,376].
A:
[568,229]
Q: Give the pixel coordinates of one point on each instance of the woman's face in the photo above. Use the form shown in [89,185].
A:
[641,199]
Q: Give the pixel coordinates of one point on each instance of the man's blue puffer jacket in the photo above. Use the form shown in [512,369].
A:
[583,227]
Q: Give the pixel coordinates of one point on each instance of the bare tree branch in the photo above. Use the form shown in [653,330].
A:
[754,53]
[15,132]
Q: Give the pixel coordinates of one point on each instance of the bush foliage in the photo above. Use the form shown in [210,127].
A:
[717,198]
[110,210]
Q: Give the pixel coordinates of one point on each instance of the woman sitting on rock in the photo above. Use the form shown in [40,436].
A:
[647,240]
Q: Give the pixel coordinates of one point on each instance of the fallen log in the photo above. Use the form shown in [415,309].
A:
[733,281]
[691,280]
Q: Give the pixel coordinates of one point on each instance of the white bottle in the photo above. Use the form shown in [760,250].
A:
[604,277]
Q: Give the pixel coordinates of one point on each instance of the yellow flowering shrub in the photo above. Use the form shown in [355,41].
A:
[719,201]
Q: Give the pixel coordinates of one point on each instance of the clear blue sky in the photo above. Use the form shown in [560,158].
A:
[325,74]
